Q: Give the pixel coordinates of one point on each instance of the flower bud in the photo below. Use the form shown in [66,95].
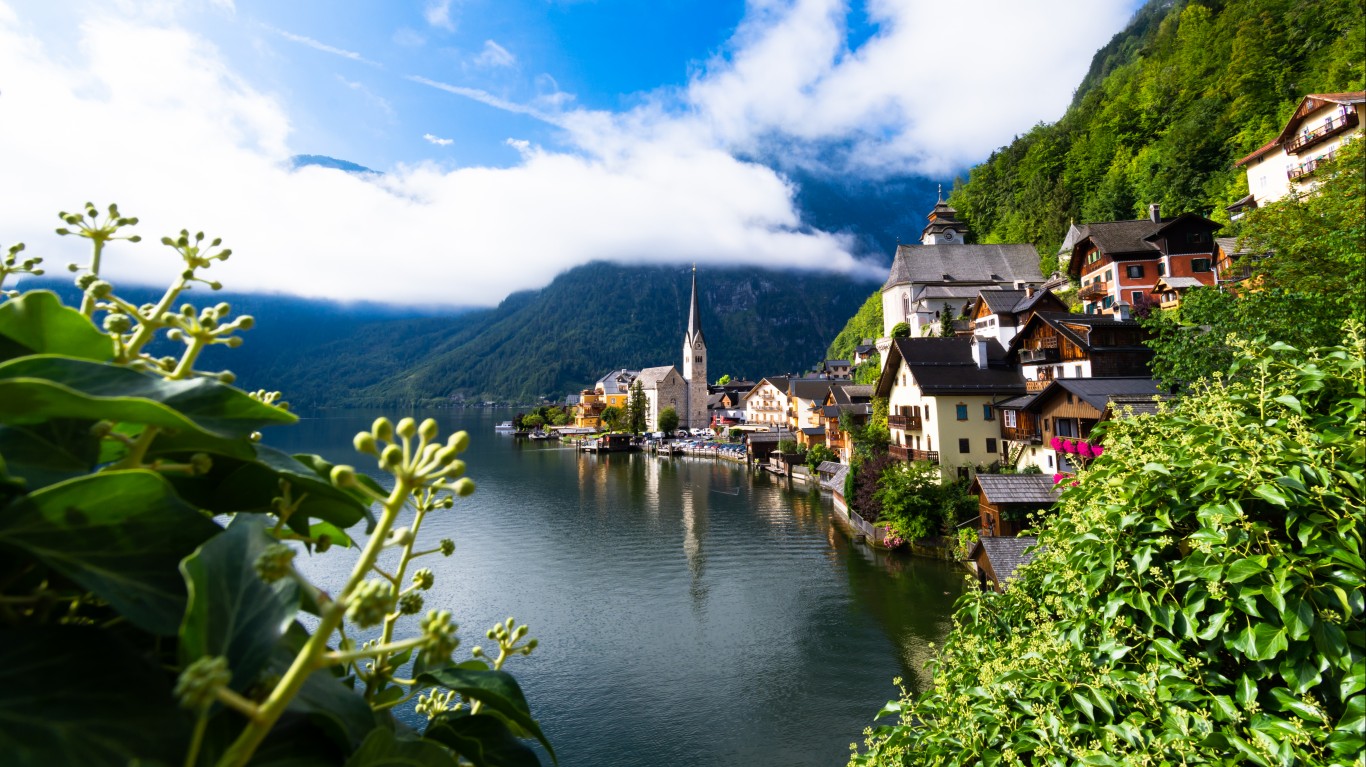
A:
[400,537]
[370,603]
[323,543]
[439,631]
[227,376]
[246,322]
[233,342]
[275,562]
[383,429]
[200,682]
[343,476]
[464,487]
[455,469]
[447,547]
[365,443]
[428,430]
[424,579]
[201,463]
[85,280]
[410,603]
[459,441]
[391,458]
[407,428]
[117,323]
[135,238]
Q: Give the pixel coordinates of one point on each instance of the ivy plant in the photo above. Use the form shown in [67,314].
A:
[1196,598]
[150,608]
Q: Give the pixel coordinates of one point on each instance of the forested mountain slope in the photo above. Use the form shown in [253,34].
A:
[1167,108]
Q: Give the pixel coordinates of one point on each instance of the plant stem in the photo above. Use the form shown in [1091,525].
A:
[387,636]
[240,752]
[186,366]
[139,449]
[87,300]
[148,326]
[197,739]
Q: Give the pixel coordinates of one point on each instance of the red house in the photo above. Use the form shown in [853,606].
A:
[1119,262]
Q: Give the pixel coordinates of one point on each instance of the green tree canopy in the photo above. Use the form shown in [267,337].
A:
[668,420]
[637,409]
[611,417]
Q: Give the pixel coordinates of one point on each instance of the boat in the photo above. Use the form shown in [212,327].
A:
[505,426]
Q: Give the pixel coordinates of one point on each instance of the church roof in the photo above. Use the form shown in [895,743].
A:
[964,263]
[694,315]
[651,377]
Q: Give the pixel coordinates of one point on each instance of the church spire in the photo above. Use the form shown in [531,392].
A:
[694,316]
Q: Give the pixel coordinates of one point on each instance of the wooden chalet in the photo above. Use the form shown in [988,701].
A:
[1004,501]
[848,400]
[1069,408]
[1119,262]
[1000,313]
[996,559]
[1168,291]
[1054,346]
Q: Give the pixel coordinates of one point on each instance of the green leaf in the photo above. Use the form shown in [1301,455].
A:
[1247,691]
[231,611]
[484,740]
[332,706]
[1156,468]
[1266,641]
[37,323]
[1290,402]
[498,690]
[77,695]
[1243,569]
[1290,704]
[120,534]
[385,749]
[48,453]
[39,388]
[1271,494]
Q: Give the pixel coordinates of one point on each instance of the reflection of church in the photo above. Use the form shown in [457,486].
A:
[685,392]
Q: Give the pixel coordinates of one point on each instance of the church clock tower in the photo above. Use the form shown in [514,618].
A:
[944,227]
[695,366]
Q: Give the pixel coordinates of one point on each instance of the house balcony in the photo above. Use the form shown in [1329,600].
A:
[1300,171]
[1028,436]
[910,454]
[1036,386]
[1331,127]
[1036,356]
[1094,290]
[905,422]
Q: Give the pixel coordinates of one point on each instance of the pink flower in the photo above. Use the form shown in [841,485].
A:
[1057,478]
[1096,450]
[1068,447]
[1055,443]
[1083,449]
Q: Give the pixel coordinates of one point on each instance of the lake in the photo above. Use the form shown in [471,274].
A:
[689,612]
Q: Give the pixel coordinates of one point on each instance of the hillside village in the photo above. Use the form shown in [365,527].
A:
[987,370]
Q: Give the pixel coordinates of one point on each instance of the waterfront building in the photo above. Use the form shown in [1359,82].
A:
[805,398]
[943,270]
[766,403]
[610,391]
[852,401]
[685,392]
[1004,501]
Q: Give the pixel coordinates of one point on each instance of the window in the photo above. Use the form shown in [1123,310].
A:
[1108,302]
[1136,297]
[1109,275]
[1134,270]
[1008,418]
[1199,264]
[962,412]
[1161,269]
[963,446]
[991,444]
[988,414]
[1195,237]
[1078,369]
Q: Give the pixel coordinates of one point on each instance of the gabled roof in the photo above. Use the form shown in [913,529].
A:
[1128,238]
[1097,392]
[808,388]
[1005,554]
[1017,488]
[1176,283]
[1001,301]
[964,263]
[945,366]
[1029,302]
[829,467]
[1314,102]
[617,381]
[1073,327]
[850,394]
[1122,405]
[651,377]
[813,431]
[1017,403]
[777,382]
[768,436]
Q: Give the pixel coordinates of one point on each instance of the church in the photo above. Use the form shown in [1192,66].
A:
[944,270]
[685,392]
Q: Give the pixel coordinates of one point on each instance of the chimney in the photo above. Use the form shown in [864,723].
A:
[1029,290]
[1155,213]
[1121,312]
[979,352]
[1019,285]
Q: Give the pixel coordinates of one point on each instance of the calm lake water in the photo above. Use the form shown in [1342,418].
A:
[688,612]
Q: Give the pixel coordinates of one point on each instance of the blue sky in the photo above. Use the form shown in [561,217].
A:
[518,138]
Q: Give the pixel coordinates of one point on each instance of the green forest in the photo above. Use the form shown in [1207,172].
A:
[1168,107]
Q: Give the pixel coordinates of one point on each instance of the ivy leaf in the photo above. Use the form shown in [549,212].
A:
[78,695]
[231,611]
[37,323]
[383,748]
[1243,569]
[498,690]
[119,534]
[1271,495]
[484,740]
[51,452]
[1290,704]
[1265,641]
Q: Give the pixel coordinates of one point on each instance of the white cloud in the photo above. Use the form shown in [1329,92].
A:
[153,118]
[438,14]
[432,138]
[494,55]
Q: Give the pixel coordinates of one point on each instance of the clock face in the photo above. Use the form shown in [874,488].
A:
[948,235]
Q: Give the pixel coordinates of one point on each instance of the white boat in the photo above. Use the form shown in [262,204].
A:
[504,426]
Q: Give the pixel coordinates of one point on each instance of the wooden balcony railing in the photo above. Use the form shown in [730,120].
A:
[1302,170]
[1331,127]
[1034,356]
[910,454]
[1094,290]
[1026,435]
[1036,386]
[905,422]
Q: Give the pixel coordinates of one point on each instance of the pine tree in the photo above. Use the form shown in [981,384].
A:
[637,409]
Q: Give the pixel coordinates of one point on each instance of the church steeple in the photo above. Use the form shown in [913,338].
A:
[694,316]
[944,226]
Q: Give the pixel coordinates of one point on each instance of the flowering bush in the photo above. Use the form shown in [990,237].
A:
[150,609]
[1198,602]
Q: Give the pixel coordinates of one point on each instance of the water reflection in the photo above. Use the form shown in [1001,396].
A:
[689,613]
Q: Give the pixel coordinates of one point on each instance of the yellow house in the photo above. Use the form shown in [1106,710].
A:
[940,394]
[612,390]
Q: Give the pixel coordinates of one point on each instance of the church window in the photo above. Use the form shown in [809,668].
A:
[906,303]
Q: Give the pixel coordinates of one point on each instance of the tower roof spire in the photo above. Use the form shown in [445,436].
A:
[694,315]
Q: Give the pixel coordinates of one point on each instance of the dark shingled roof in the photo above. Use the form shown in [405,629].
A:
[768,436]
[1121,405]
[813,431]
[808,388]
[945,366]
[964,263]
[778,382]
[967,379]
[1017,488]
[837,482]
[1002,301]
[852,394]
[828,467]
[1123,236]
[1097,392]
[1006,555]
[1017,403]
[1061,321]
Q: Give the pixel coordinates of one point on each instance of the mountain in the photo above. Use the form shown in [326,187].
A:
[1167,107]
[558,340]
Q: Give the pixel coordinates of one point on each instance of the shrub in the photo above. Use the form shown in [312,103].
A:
[150,610]
[1195,598]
